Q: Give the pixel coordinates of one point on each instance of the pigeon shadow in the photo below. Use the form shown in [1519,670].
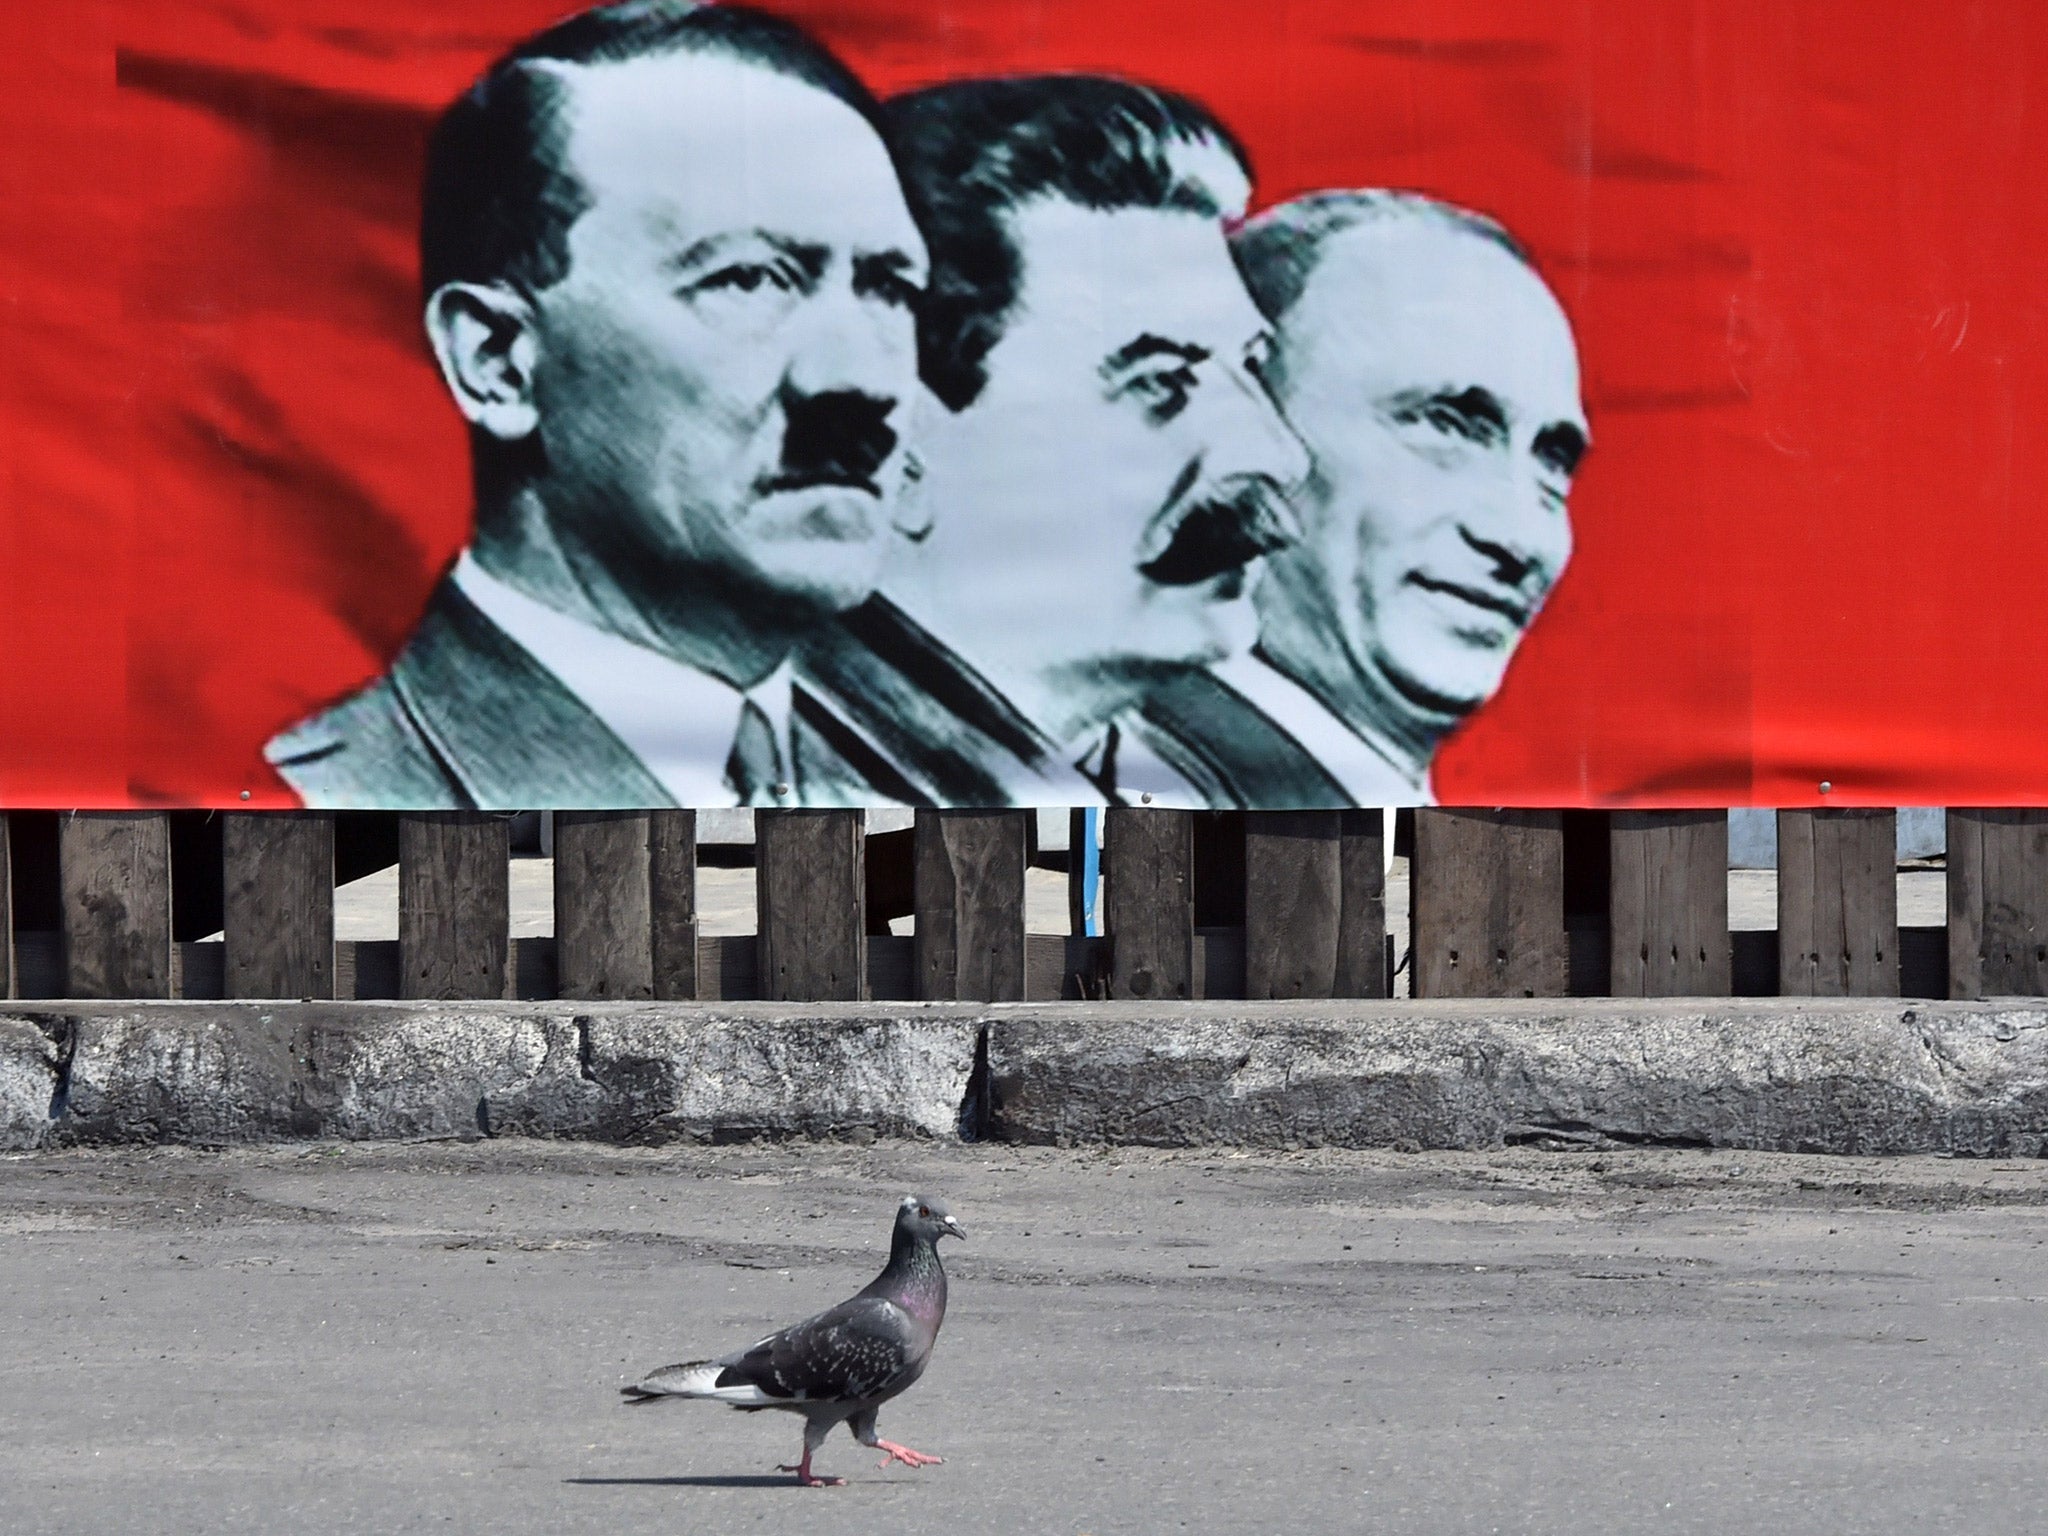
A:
[744,1480]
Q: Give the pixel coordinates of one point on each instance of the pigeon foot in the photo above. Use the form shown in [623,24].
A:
[905,1454]
[805,1478]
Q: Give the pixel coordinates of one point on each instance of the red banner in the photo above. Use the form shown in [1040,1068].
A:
[1799,247]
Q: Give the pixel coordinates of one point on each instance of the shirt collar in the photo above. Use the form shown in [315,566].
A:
[1364,770]
[679,720]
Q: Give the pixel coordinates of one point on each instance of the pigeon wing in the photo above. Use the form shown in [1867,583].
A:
[859,1351]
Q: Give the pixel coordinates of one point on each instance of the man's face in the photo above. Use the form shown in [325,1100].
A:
[1123,469]
[1435,381]
[722,373]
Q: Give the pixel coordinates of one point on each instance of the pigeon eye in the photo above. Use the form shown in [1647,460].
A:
[924,1210]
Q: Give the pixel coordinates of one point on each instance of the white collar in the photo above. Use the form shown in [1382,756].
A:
[1362,769]
[679,720]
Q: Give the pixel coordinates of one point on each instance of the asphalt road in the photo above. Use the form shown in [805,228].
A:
[430,1339]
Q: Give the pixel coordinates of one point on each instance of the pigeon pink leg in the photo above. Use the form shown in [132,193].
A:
[905,1454]
[804,1477]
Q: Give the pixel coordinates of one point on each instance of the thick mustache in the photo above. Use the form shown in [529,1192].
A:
[841,437]
[1223,533]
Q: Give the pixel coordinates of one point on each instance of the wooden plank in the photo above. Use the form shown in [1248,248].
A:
[1668,904]
[115,871]
[604,919]
[1219,962]
[454,905]
[198,969]
[1363,969]
[1067,966]
[366,969]
[1314,904]
[726,967]
[969,937]
[672,897]
[277,904]
[1997,903]
[1148,906]
[810,893]
[1838,903]
[892,967]
[1487,896]
[1293,902]
[8,980]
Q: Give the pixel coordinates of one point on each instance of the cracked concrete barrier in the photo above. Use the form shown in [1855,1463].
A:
[218,1073]
[28,1082]
[1852,1076]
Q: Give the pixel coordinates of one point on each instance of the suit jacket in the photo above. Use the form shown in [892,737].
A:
[931,711]
[466,719]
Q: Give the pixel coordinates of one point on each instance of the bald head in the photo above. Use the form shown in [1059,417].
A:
[1435,380]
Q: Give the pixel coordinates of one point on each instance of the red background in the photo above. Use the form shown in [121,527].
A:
[1801,243]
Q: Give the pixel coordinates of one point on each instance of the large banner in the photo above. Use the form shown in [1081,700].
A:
[432,404]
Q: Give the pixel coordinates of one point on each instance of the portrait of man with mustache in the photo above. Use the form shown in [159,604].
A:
[1435,380]
[685,390]
[1102,470]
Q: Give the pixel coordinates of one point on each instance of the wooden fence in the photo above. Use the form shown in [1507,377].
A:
[1194,905]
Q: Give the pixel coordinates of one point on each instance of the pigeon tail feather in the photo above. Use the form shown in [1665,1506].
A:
[697,1379]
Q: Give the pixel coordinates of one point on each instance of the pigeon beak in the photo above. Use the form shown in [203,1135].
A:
[954,1228]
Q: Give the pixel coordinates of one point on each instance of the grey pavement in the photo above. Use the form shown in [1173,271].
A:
[429,1338]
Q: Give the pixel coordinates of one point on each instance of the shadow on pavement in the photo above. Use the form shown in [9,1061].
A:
[743,1481]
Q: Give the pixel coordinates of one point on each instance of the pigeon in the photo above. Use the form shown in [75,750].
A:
[843,1364]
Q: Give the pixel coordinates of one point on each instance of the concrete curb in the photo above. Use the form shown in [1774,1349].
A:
[1821,1076]
[216,1073]
[1849,1077]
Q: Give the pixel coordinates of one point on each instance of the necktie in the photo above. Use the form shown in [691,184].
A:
[755,767]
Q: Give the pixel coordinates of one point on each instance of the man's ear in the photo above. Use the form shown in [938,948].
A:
[483,338]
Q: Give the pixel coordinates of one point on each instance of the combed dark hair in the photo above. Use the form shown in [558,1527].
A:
[971,151]
[499,199]
[1278,250]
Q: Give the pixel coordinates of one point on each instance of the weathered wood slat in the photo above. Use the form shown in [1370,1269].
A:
[1148,906]
[1062,965]
[1668,904]
[1293,903]
[1998,903]
[1314,904]
[1487,901]
[604,923]
[970,905]
[454,905]
[115,870]
[727,969]
[811,896]
[1362,964]
[277,906]
[672,897]
[1838,903]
